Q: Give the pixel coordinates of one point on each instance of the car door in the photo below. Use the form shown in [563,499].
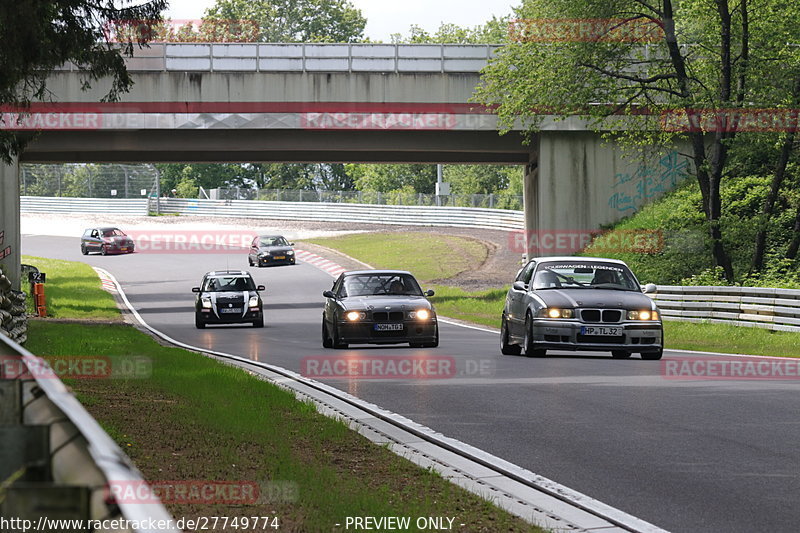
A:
[94,241]
[518,301]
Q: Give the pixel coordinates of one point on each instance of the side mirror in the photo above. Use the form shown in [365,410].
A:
[429,293]
[328,294]
[519,286]
[291,244]
[650,288]
[261,288]
[195,289]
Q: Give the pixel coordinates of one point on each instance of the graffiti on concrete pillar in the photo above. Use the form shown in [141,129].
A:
[7,251]
[631,190]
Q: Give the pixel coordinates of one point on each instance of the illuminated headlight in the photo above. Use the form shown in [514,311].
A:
[552,312]
[253,301]
[422,314]
[643,315]
[354,316]
[206,303]
[290,252]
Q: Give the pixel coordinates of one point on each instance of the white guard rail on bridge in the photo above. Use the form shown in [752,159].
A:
[121,206]
[775,309]
[403,215]
[304,57]
[56,461]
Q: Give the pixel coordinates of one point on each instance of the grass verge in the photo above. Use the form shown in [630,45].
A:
[73,290]
[428,256]
[485,307]
[195,419]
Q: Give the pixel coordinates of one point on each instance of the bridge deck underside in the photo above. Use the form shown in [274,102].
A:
[277,146]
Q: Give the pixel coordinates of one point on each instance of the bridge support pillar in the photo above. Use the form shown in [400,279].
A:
[10,257]
[530,200]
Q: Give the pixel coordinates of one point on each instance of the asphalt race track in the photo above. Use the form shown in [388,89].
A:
[702,455]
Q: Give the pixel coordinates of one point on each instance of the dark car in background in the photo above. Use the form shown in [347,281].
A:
[378,307]
[580,304]
[106,241]
[228,297]
[271,250]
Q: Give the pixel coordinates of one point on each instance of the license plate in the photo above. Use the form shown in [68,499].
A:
[388,327]
[231,310]
[601,331]
[280,257]
[124,248]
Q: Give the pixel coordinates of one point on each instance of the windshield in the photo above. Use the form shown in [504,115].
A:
[380,284]
[273,241]
[584,275]
[112,233]
[229,283]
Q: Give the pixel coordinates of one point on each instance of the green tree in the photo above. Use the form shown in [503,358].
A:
[186,188]
[39,35]
[387,178]
[494,31]
[701,54]
[286,21]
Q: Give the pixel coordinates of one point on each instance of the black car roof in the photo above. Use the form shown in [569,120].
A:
[356,272]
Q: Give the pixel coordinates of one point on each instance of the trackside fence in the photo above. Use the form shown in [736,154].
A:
[407,215]
[761,307]
[116,206]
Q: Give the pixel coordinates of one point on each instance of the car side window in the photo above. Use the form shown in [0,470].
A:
[95,233]
[526,273]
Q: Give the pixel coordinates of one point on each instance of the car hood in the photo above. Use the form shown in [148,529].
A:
[592,298]
[380,303]
[274,249]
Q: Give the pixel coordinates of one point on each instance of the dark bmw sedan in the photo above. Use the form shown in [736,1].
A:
[378,307]
[228,297]
[271,250]
[106,241]
[580,303]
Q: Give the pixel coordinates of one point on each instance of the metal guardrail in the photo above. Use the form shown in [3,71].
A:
[305,57]
[761,307]
[402,215]
[61,458]
[121,206]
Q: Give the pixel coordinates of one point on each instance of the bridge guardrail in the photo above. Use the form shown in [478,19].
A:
[306,57]
[471,217]
[47,204]
[61,459]
[762,307]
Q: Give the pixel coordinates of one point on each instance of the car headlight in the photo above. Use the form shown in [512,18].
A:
[253,301]
[206,303]
[263,254]
[644,314]
[422,314]
[354,316]
[552,312]
[290,252]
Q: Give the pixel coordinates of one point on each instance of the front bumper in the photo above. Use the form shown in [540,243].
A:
[209,317]
[266,261]
[639,336]
[365,333]
[117,248]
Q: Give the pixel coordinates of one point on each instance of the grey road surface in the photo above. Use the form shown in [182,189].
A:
[685,455]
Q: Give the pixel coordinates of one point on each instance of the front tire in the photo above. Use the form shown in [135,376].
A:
[653,356]
[620,354]
[103,250]
[84,251]
[198,323]
[327,342]
[506,348]
[530,346]
[337,344]
[435,342]
[258,323]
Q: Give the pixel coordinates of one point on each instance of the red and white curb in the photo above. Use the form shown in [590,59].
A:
[108,283]
[320,262]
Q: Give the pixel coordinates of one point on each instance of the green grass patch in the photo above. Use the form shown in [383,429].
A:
[726,338]
[73,290]
[428,256]
[482,307]
[195,419]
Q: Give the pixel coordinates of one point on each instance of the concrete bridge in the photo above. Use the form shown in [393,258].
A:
[327,103]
